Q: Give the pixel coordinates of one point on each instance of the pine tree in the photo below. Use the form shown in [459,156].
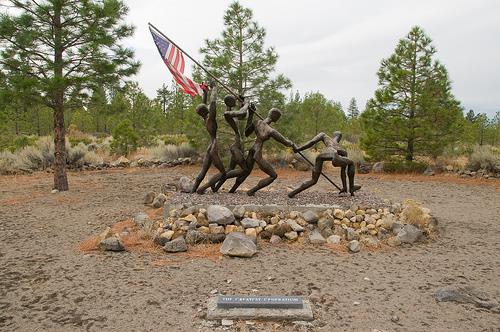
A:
[71,46]
[413,111]
[352,110]
[240,60]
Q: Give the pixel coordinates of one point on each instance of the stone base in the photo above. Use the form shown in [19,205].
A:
[303,314]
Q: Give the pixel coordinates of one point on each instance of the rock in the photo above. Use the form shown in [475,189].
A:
[325,223]
[281,229]
[316,238]
[429,171]
[396,227]
[333,239]
[190,218]
[393,241]
[293,215]
[265,235]
[364,168]
[295,227]
[54,191]
[239,211]
[194,237]
[204,229]
[409,234]
[466,295]
[275,239]
[310,216]
[338,214]
[351,234]
[370,241]
[105,234]
[349,214]
[216,229]
[292,236]
[149,198]
[159,201]
[176,245]
[382,234]
[230,229]
[250,223]
[238,245]
[216,238]
[378,167]
[220,215]
[121,162]
[226,322]
[354,246]
[251,233]
[185,184]
[111,244]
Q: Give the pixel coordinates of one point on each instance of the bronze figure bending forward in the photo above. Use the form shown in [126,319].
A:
[263,132]
[334,152]
[212,155]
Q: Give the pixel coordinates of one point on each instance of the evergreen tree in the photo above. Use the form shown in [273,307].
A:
[413,111]
[71,46]
[352,110]
[241,61]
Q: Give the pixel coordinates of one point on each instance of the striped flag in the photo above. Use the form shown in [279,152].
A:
[174,60]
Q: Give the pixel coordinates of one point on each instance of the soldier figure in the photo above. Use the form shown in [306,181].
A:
[236,149]
[263,132]
[212,156]
[334,152]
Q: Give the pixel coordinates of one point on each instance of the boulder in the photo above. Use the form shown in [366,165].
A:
[251,233]
[409,234]
[111,244]
[185,184]
[220,215]
[176,245]
[250,223]
[351,234]
[265,235]
[316,238]
[310,216]
[281,229]
[324,223]
[238,245]
[239,211]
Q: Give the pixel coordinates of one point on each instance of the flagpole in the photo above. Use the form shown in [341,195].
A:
[231,92]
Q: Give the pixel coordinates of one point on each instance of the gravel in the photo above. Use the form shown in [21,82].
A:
[279,197]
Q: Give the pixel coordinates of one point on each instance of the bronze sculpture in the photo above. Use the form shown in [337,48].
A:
[334,152]
[212,155]
[263,132]
[236,149]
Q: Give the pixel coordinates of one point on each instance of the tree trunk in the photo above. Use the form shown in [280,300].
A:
[60,176]
[409,152]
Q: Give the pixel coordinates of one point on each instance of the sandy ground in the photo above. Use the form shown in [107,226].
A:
[47,284]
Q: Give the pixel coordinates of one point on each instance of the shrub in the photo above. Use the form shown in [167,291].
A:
[404,166]
[76,154]
[174,139]
[124,138]
[171,152]
[30,157]
[8,163]
[92,158]
[484,157]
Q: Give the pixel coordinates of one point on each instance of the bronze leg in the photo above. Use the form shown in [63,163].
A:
[268,169]
[318,166]
[207,161]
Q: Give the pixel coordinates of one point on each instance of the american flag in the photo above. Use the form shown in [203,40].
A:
[174,60]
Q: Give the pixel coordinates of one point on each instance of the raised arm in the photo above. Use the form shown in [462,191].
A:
[312,142]
[239,114]
[250,127]
[212,109]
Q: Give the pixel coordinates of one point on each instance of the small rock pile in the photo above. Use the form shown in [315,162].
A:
[240,227]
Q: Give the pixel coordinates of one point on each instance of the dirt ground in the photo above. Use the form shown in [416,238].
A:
[48,284]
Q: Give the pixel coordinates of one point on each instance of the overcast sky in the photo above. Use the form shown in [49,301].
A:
[335,47]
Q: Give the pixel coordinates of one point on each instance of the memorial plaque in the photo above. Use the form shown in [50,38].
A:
[270,302]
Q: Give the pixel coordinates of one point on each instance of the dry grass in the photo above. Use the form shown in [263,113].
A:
[412,213]
[89,244]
